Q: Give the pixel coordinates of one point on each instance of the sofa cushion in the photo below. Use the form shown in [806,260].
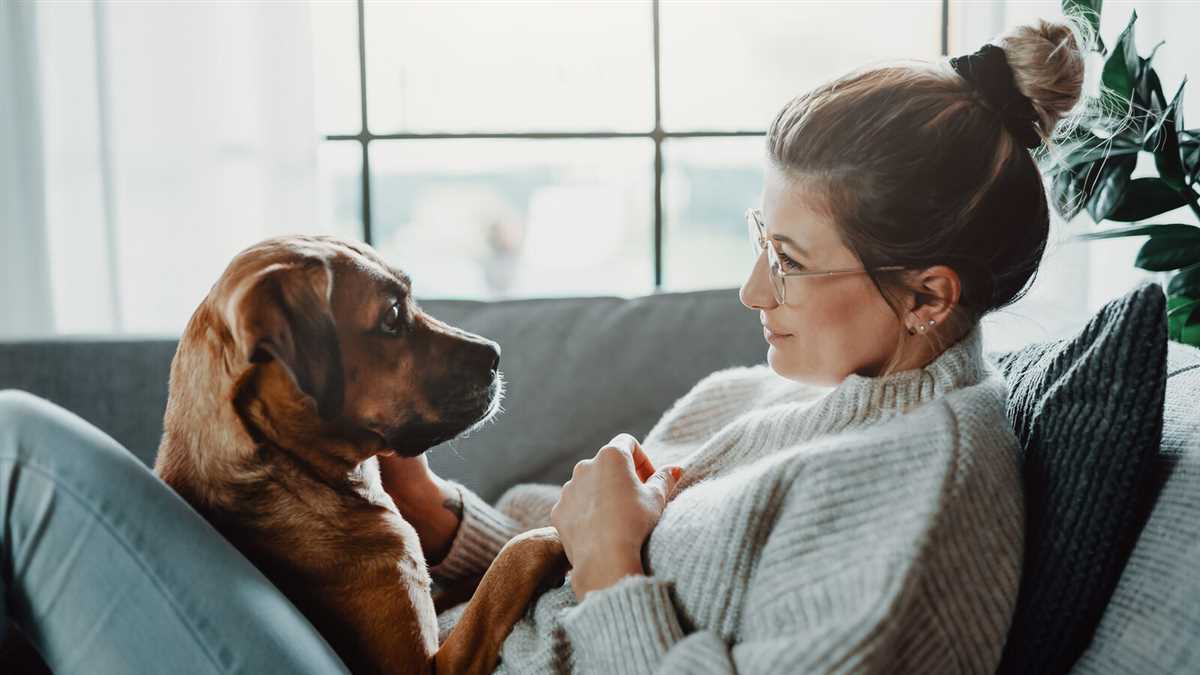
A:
[1152,623]
[1088,413]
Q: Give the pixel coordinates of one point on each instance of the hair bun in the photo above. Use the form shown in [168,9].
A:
[989,74]
[1047,67]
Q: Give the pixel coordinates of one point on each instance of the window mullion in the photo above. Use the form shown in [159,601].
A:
[364,136]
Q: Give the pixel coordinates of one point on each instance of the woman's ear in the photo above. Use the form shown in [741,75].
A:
[935,294]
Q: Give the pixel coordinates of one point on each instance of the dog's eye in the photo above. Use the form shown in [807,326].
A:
[390,323]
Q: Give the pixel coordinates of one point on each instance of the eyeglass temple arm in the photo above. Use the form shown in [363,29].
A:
[830,273]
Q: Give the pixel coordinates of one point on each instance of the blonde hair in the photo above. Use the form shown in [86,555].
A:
[1048,66]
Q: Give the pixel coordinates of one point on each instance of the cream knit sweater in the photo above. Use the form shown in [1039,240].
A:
[874,527]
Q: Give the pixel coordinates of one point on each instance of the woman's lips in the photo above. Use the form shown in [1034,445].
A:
[773,336]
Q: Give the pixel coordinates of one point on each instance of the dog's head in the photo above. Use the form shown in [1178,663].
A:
[324,342]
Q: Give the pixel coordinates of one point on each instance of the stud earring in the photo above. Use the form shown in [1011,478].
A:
[921,328]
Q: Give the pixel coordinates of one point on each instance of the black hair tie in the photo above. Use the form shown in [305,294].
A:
[988,72]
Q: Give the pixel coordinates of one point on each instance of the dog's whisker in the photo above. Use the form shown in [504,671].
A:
[453,448]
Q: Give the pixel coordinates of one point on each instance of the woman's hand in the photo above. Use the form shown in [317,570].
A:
[431,505]
[606,511]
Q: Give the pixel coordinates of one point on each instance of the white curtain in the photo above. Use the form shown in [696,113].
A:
[144,142]
[167,136]
[24,274]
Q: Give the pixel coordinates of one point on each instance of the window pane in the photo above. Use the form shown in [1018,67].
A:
[334,26]
[707,186]
[488,219]
[460,66]
[732,65]
[339,189]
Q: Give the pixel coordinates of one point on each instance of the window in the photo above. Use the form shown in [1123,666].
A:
[496,149]
[588,147]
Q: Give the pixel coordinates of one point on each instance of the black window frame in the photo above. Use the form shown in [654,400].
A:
[364,137]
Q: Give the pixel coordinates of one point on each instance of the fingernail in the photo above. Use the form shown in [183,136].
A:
[676,472]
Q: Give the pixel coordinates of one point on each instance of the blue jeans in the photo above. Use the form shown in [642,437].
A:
[107,570]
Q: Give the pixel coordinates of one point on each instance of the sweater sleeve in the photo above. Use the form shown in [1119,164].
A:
[870,566]
[485,529]
[482,533]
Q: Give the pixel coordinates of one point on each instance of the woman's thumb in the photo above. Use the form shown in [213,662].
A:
[664,480]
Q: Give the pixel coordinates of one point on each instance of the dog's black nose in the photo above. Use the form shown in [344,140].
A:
[485,354]
[495,349]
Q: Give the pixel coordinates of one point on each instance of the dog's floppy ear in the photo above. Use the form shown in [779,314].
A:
[283,313]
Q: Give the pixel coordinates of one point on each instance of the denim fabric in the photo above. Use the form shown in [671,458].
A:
[107,570]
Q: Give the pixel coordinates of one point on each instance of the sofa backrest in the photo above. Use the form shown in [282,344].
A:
[579,371]
[117,384]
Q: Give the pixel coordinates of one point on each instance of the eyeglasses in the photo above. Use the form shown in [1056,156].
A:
[759,242]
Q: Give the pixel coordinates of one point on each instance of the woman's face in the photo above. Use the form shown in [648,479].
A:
[831,326]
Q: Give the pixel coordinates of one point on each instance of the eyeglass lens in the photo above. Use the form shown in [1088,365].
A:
[758,242]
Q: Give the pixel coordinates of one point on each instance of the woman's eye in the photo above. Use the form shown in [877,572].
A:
[788,263]
[390,323]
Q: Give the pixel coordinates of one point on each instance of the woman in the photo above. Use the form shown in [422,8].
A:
[875,527]
[854,505]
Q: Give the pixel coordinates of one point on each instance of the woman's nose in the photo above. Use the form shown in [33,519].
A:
[756,292]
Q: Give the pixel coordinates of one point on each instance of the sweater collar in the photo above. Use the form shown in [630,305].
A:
[960,365]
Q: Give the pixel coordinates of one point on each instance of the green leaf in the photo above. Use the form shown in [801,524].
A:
[1191,161]
[1072,187]
[1166,144]
[1147,93]
[1189,153]
[1160,229]
[1121,67]
[1066,194]
[1186,282]
[1091,148]
[1146,61]
[1165,253]
[1190,333]
[1183,319]
[1110,187]
[1147,197]
[1182,306]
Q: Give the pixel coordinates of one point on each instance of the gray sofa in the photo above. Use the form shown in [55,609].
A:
[583,369]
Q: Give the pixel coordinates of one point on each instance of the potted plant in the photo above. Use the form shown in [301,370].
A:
[1092,169]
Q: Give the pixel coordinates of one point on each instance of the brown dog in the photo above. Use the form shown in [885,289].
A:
[307,359]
